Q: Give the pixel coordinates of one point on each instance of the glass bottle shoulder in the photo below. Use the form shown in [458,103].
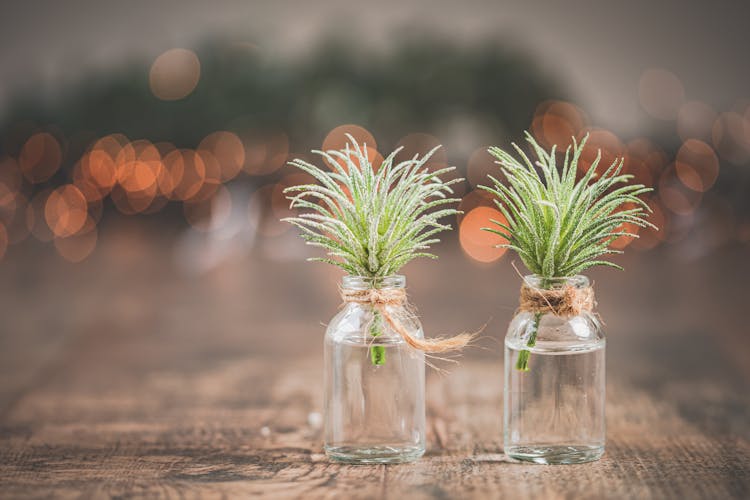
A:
[555,333]
[357,323]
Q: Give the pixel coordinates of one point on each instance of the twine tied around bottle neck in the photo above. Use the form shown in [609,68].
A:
[381,298]
[564,301]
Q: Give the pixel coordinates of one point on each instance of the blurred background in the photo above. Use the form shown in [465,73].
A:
[143,151]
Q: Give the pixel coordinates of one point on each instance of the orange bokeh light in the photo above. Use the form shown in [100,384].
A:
[98,167]
[265,152]
[608,143]
[648,237]
[174,74]
[675,196]
[228,150]
[137,177]
[66,210]
[644,150]
[476,243]
[623,241]
[337,140]
[212,179]
[40,157]
[186,174]
[472,200]
[640,171]
[557,123]
[697,165]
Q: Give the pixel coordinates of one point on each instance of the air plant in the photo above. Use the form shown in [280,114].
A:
[371,219]
[558,224]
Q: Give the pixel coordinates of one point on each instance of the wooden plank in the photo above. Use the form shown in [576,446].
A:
[175,434]
[166,386]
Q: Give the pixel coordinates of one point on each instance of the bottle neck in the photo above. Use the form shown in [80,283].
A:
[535,281]
[394,281]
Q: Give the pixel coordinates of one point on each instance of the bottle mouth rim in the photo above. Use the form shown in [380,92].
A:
[368,282]
[537,281]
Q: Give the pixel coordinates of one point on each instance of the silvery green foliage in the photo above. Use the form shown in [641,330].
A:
[371,222]
[560,226]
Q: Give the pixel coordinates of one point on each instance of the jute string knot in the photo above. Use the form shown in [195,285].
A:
[382,298]
[565,301]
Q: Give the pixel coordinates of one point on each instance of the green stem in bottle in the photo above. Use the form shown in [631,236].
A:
[523,357]
[377,352]
[522,363]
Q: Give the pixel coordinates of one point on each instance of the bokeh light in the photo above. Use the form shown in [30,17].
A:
[649,237]
[174,74]
[228,150]
[98,167]
[607,142]
[644,150]
[557,122]
[187,173]
[66,210]
[337,139]
[481,245]
[696,165]
[265,151]
[212,179]
[661,93]
[40,157]
[472,200]
[624,240]
[674,195]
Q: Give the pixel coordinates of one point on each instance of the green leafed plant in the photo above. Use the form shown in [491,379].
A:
[371,219]
[559,224]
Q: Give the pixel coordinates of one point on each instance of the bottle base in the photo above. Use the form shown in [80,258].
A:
[374,454]
[555,454]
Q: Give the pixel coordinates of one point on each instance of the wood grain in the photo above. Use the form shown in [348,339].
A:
[172,387]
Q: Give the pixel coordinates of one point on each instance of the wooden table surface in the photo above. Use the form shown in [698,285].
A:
[122,377]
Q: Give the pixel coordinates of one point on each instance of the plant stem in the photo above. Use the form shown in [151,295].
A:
[377,352]
[523,357]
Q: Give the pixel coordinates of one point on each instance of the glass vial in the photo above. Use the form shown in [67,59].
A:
[555,390]
[374,382]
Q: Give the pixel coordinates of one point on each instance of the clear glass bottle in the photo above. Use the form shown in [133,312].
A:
[374,382]
[554,408]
